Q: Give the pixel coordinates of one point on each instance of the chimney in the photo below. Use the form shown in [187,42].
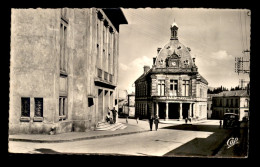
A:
[146,69]
[158,50]
[154,59]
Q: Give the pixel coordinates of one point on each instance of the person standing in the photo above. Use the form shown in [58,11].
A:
[114,113]
[156,122]
[151,122]
[220,123]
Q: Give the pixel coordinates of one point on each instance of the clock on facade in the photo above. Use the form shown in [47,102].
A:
[174,63]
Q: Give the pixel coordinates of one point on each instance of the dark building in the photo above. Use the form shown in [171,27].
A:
[173,87]
[230,102]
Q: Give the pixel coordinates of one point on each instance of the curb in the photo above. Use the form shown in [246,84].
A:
[77,139]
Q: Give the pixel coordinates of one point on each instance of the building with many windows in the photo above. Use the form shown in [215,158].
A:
[173,87]
[230,102]
[64,68]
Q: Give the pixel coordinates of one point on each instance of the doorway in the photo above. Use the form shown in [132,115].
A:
[162,110]
[185,110]
[173,110]
[100,105]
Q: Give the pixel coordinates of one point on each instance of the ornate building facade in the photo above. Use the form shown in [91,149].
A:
[173,87]
[64,68]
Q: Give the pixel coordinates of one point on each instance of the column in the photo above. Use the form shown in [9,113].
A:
[190,110]
[180,111]
[157,109]
[166,116]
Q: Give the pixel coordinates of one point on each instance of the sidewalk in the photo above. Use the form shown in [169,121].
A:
[132,127]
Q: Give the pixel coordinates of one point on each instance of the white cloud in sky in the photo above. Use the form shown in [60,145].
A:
[136,67]
[123,67]
[221,55]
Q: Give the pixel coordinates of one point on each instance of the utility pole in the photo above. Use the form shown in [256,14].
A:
[242,65]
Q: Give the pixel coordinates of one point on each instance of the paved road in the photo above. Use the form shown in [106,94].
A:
[239,148]
[153,143]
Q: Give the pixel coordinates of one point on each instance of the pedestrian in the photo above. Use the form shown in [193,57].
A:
[114,113]
[156,122]
[137,118]
[186,120]
[190,119]
[151,122]
[220,123]
[108,117]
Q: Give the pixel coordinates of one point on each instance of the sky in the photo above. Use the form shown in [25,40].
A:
[215,36]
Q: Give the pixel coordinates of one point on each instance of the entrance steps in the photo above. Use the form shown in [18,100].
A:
[104,126]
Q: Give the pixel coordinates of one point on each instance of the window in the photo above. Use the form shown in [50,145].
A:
[161,87]
[25,107]
[246,103]
[63,40]
[236,104]
[173,87]
[38,107]
[185,88]
[62,108]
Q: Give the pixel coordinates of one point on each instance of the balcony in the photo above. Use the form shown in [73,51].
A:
[110,78]
[99,72]
[105,76]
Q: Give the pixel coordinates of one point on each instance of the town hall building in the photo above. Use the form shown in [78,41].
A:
[173,87]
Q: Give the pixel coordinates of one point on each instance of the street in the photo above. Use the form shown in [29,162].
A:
[201,139]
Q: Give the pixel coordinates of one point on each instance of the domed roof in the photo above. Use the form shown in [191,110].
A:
[181,52]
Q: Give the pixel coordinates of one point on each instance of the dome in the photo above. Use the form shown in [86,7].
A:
[175,50]
[174,54]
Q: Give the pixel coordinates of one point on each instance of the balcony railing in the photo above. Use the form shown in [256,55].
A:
[99,71]
[110,78]
[105,76]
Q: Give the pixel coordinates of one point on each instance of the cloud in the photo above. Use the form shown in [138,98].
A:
[123,67]
[129,73]
[221,55]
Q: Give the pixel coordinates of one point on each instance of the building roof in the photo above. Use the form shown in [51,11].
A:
[177,48]
[143,75]
[116,16]
[203,80]
[234,93]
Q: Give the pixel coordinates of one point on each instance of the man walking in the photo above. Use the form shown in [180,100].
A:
[156,122]
[151,122]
